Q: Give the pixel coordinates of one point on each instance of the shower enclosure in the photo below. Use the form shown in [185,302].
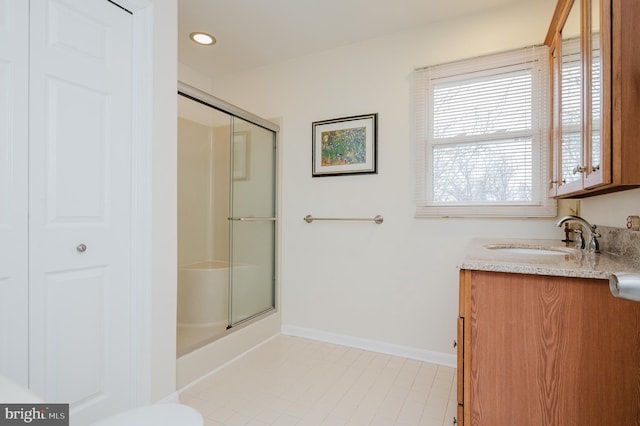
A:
[226,218]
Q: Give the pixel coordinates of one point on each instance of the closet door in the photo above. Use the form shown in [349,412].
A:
[14,49]
[80,205]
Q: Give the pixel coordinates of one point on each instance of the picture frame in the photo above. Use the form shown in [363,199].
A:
[345,146]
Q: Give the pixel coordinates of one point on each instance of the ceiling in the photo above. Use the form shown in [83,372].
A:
[254,33]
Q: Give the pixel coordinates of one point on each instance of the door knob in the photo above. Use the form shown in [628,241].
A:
[81,248]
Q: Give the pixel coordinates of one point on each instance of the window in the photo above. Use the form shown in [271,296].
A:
[482,136]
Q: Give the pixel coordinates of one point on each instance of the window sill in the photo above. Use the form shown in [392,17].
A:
[520,211]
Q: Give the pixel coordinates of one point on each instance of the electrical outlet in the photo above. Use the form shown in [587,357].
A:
[633,223]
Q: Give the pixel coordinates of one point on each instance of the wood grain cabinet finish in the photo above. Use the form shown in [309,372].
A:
[546,351]
[595,148]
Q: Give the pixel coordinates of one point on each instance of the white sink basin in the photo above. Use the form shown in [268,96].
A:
[527,250]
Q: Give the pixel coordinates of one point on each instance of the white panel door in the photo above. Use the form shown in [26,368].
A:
[80,205]
[14,50]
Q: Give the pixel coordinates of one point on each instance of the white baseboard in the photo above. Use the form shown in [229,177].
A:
[439,358]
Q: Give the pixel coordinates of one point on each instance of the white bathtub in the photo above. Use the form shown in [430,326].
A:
[203,293]
[203,300]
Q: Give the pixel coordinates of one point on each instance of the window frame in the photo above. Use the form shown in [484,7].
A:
[535,59]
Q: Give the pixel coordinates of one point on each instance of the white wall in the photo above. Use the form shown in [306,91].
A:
[394,283]
[163,216]
[611,209]
[195,182]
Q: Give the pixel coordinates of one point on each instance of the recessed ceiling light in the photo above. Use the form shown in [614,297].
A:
[202,38]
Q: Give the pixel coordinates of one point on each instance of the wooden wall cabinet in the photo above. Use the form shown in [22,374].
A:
[540,351]
[595,148]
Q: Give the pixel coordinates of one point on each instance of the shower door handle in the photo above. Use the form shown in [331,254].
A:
[252,219]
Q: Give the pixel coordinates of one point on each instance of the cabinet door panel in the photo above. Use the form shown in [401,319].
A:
[596,97]
[460,355]
[552,351]
[554,135]
[598,70]
[570,87]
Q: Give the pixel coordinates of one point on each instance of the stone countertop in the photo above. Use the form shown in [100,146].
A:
[573,263]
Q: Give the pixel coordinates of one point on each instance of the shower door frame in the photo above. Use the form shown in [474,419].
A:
[211,101]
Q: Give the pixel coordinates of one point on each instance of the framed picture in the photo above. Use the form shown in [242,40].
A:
[345,146]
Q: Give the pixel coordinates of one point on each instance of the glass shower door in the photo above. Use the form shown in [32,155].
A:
[252,221]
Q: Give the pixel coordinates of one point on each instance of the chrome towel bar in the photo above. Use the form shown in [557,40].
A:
[377,219]
[252,219]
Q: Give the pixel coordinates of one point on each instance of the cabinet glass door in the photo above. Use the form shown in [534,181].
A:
[570,93]
[597,172]
[555,124]
[596,87]
[253,223]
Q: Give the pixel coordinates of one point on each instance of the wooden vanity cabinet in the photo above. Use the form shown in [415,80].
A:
[539,350]
[595,105]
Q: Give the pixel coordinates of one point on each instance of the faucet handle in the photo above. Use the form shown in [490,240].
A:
[594,245]
[578,238]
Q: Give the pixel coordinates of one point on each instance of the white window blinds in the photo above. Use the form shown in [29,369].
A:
[482,136]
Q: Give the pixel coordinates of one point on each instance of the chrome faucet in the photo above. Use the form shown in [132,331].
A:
[594,246]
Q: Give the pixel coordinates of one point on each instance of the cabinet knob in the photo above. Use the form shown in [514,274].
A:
[81,248]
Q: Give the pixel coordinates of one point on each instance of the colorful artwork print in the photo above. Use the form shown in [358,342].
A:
[346,146]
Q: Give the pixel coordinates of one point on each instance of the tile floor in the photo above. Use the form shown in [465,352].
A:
[296,381]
